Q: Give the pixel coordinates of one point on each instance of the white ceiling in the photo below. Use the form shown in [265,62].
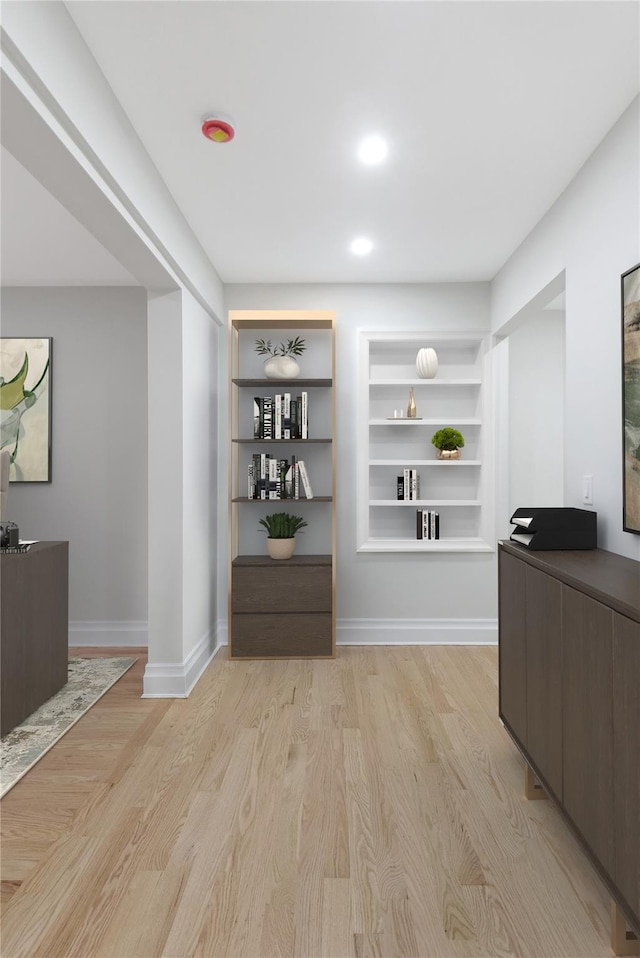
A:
[490,109]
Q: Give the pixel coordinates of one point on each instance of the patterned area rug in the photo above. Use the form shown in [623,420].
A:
[88,680]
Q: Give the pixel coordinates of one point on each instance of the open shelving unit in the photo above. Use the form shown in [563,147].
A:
[282,608]
[459,490]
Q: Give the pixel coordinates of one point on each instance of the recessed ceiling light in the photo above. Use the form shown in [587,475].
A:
[372,150]
[361,246]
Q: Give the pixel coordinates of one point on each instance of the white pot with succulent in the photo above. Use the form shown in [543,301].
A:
[281,533]
[281,363]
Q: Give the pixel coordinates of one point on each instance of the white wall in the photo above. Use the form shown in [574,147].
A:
[183,463]
[200,386]
[398,586]
[536,411]
[98,495]
[592,233]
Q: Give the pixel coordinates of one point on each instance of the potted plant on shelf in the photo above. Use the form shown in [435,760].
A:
[281,531]
[281,363]
[448,442]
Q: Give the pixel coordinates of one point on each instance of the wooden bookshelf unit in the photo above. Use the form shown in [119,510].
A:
[282,608]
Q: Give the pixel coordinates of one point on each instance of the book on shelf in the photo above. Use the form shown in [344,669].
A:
[270,477]
[277,417]
[408,485]
[289,481]
[263,475]
[267,417]
[281,417]
[273,477]
[304,478]
[286,416]
[427,524]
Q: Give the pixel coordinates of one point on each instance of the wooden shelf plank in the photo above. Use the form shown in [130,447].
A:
[280,442]
[295,560]
[282,502]
[279,383]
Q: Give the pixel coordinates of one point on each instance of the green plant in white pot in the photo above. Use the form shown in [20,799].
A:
[281,531]
[281,363]
[448,442]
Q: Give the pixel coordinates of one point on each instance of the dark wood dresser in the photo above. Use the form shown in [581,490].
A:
[569,625]
[282,608]
[34,624]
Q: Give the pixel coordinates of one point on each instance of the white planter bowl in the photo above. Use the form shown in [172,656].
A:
[281,367]
[280,548]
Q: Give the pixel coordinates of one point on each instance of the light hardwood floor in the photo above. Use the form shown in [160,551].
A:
[367,806]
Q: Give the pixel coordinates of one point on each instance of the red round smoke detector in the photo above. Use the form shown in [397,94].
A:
[219,129]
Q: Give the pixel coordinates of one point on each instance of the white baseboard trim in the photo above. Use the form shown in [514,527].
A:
[222,633]
[404,632]
[417,632]
[101,633]
[175,680]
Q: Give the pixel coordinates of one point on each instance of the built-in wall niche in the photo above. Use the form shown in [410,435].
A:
[389,442]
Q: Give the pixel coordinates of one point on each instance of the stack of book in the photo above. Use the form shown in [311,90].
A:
[281,417]
[427,524]
[408,488]
[273,478]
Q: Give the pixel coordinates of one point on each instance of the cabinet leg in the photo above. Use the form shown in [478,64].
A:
[533,790]
[623,941]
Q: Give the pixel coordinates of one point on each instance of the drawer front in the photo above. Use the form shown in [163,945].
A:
[286,636]
[282,589]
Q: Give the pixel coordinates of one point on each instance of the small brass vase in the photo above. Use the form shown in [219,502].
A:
[411,408]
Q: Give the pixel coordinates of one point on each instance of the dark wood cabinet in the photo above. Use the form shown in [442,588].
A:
[544,675]
[570,650]
[513,648]
[282,608]
[587,718]
[626,756]
[34,627]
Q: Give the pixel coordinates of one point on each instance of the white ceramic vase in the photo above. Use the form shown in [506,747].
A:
[281,367]
[280,548]
[427,363]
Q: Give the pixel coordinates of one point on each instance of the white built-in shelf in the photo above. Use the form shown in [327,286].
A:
[387,445]
[411,463]
[428,383]
[450,421]
[428,503]
[453,544]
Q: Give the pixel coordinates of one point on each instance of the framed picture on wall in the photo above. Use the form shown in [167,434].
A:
[631,399]
[25,407]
